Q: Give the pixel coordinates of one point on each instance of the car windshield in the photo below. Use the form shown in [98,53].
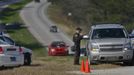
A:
[108,33]
[53,26]
[56,44]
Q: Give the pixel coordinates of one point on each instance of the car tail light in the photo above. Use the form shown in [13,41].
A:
[52,50]
[1,50]
[20,50]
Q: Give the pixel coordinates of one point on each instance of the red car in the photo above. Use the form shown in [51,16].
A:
[58,48]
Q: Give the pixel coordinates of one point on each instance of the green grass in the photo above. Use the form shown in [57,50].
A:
[13,12]
[22,36]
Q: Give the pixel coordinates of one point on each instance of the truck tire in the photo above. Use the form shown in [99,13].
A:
[127,63]
[130,63]
[27,59]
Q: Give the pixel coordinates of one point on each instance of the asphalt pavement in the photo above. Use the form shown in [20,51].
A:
[116,71]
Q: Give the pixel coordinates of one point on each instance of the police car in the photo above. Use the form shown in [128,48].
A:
[25,51]
[10,55]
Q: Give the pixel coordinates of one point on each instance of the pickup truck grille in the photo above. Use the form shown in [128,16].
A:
[111,48]
[111,45]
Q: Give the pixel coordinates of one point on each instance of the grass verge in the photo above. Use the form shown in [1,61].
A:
[22,36]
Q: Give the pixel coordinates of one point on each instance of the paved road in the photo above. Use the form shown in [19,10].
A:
[117,71]
[36,19]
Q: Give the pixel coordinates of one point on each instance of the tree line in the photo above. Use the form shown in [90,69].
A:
[97,11]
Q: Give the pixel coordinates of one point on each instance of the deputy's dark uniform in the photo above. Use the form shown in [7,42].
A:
[77,39]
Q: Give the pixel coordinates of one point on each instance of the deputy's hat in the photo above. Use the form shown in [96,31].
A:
[78,28]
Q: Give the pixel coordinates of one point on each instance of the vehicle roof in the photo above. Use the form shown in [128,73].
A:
[3,36]
[58,42]
[103,26]
[54,26]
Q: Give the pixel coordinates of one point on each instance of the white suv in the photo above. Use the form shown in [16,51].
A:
[109,43]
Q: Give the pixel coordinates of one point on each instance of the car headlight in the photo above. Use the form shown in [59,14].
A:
[94,47]
[127,46]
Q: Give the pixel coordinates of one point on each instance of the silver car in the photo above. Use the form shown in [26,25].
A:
[109,43]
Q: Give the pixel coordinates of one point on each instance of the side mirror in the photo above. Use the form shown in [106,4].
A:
[85,37]
[131,36]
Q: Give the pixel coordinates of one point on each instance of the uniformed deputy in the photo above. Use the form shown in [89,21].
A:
[77,37]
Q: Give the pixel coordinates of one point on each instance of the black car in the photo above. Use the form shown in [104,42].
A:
[53,29]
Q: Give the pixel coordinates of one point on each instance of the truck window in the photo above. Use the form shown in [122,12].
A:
[108,33]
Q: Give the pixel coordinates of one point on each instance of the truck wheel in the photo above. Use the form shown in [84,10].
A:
[1,67]
[27,59]
[128,63]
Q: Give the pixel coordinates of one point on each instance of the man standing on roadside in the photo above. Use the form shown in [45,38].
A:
[77,37]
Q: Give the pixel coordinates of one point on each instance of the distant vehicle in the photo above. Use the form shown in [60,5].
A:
[2,27]
[13,25]
[53,29]
[132,38]
[58,48]
[10,55]
[109,43]
[27,52]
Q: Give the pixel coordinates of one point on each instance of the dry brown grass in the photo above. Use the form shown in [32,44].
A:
[58,65]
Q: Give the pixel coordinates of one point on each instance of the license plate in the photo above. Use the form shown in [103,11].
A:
[12,58]
[111,58]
